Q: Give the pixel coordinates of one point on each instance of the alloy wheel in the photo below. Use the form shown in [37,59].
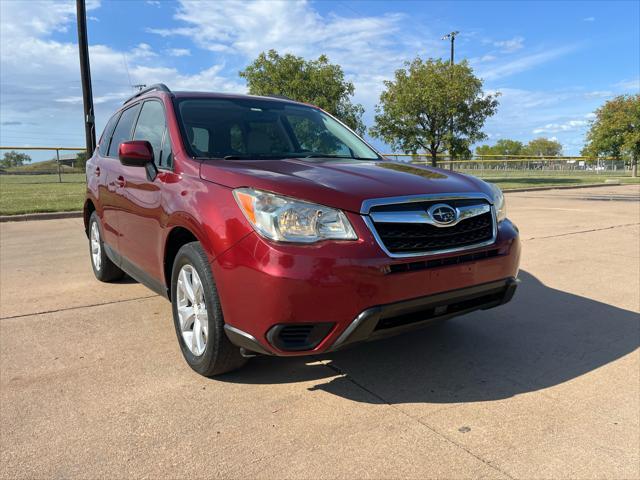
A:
[192,310]
[95,246]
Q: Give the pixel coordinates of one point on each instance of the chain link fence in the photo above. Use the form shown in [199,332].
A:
[487,166]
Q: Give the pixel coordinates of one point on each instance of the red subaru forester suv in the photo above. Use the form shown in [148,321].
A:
[274,229]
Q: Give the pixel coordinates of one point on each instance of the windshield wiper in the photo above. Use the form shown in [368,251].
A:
[252,157]
[330,155]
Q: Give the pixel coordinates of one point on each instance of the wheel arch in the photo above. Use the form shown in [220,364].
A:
[88,208]
[177,238]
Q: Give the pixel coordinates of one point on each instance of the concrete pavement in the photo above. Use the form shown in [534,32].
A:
[92,383]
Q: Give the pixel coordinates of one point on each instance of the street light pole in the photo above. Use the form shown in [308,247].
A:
[451,36]
[85,74]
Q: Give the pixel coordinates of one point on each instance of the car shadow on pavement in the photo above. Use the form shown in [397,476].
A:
[544,337]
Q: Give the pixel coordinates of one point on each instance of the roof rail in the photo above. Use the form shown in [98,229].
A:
[158,86]
[281,97]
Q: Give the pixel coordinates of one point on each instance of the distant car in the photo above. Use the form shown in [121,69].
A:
[274,229]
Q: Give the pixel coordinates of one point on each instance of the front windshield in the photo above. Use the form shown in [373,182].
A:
[258,128]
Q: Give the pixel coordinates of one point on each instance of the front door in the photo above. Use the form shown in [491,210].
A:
[110,176]
[141,241]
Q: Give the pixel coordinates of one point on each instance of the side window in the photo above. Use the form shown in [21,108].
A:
[122,132]
[106,135]
[151,127]
[166,154]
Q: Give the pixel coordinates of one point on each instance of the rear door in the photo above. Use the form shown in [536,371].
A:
[140,222]
[114,179]
[97,182]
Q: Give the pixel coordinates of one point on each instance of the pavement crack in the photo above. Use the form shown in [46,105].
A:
[346,376]
[584,231]
[78,307]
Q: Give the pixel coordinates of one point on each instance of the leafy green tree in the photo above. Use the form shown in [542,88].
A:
[503,146]
[14,159]
[433,106]
[312,81]
[616,130]
[485,150]
[543,147]
[81,160]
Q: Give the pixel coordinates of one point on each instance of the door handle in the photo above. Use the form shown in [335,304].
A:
[120,182]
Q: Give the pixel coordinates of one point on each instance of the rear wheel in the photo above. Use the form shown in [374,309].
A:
[103,268]
[198,317]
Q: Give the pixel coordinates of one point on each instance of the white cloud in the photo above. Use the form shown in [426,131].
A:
[40,88]
[599,94]
[523,114]
[631,86]
[483,59]
[178,52]
[525,63]
[589,19]
[512,45]
[368,48]
[143,50]
[561,127]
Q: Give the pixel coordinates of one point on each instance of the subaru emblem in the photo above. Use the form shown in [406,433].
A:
[443,214]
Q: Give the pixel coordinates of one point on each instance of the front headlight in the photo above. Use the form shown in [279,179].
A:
[499,202]
[286,219]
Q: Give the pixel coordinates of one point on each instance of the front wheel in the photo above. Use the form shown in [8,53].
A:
[198,317]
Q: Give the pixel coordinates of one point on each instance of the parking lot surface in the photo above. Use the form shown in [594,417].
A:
[92,382]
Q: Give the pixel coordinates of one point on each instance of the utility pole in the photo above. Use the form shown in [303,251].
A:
[85,74]
[451,36]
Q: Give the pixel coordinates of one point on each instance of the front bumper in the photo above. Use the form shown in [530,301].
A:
[392,319]
[353,290]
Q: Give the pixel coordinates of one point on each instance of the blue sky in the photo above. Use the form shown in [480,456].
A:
[553,62]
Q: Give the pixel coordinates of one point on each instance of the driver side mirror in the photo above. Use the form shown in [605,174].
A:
[138,153]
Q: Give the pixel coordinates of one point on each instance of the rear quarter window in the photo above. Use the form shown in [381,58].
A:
[103,148]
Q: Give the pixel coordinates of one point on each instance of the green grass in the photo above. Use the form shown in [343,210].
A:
[48,166]
[509,182]
[43,193]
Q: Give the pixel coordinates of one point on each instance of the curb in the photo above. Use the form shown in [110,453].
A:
[563,187]
[40,216]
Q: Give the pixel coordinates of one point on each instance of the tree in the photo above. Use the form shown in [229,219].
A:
[315,81]
[81,160]
[14,159]
[503,146]
[615,131]
[543,147]
[432,105]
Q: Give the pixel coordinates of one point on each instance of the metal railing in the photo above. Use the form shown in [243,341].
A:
[492,165]
[32,168]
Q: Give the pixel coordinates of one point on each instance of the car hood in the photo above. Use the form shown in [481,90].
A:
[338,183]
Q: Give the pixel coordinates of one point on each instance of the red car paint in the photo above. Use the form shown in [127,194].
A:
[262,283]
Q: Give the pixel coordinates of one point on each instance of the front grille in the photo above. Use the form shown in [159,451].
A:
[443,262]
[446,309]
[412,238]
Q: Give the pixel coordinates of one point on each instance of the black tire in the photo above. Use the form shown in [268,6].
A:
[107,271]
[220,355]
